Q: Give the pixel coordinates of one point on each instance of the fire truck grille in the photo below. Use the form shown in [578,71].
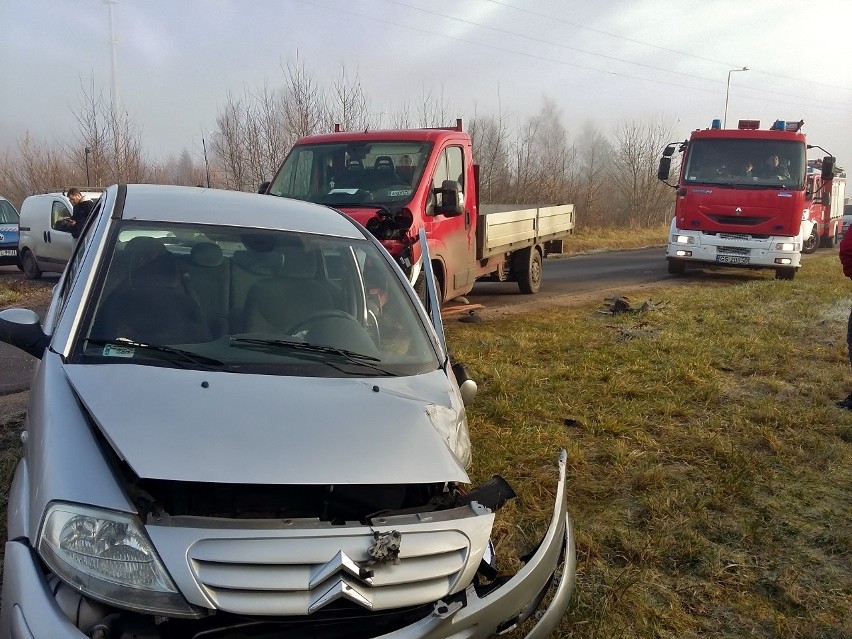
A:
[732,250]
[738,220]
[734,236]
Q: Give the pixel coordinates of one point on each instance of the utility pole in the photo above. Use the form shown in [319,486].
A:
[113,44]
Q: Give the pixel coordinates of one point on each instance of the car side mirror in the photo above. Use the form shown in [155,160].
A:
[467,386]
[21,327]
[452,202]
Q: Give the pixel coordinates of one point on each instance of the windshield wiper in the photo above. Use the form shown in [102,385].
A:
[183,356]
[360,359]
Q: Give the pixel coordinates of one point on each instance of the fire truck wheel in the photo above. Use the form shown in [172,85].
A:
[812,243]
[676,267]
[526,264]
[830,241]
[785,273]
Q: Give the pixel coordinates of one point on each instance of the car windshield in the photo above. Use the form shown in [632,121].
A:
[755,163]
[252,300]
[8,214]
[355,173]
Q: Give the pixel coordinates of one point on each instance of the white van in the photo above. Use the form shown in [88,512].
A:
[42,244]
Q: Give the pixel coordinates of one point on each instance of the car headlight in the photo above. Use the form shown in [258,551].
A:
[107,555]
[683,239]
[785,246]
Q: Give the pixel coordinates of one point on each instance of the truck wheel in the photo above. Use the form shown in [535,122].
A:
[676,267]
[812,243]
[31,269]
[785,273]
[420,287]
[830,240]
[526,265]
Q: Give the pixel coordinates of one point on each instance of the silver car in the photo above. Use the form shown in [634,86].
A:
[244,424]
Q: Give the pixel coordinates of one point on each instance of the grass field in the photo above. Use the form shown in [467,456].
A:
[710,474]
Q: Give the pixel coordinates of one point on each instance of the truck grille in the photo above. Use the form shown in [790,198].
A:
[732,250]
[734,236]
[738,220]
[298,576]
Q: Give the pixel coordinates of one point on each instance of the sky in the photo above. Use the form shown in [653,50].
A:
[604,63]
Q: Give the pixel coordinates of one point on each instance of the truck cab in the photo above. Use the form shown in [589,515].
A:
[393,183]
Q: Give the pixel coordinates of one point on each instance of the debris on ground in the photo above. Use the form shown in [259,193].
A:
[620,304]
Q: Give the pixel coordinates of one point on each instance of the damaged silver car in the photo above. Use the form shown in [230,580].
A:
[244,424]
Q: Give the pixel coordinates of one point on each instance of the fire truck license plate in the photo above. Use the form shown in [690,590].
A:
[732,259]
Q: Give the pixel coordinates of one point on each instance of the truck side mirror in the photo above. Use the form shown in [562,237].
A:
[452,203]
[827,168]
[665,168]
[263,187]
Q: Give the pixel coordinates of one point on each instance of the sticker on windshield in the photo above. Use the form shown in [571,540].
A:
[347,191]
[118,351]
[400,193]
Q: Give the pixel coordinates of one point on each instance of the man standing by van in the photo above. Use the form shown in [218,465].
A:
[82,209]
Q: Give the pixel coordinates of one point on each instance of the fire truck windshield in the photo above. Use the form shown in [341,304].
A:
[353,173]
[753,163]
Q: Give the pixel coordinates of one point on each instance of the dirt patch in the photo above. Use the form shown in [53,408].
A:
[16,290]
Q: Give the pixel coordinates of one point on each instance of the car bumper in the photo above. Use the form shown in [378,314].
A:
[29,610]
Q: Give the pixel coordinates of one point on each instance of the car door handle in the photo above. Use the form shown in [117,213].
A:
[44,235]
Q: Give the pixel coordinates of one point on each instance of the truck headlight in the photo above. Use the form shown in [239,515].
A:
[107,555]
[683,239]
[785,246]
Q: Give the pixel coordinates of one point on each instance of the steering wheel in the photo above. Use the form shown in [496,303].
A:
[303,323]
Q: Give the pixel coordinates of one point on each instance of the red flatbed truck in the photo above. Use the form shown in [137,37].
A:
[396,181]
[743,198]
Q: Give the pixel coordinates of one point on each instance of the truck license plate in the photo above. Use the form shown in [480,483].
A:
[7,253]
[732,259]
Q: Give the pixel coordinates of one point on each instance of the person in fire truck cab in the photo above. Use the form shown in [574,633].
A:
[846,263]
[774,167]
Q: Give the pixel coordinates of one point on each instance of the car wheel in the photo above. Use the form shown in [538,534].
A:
[30,266]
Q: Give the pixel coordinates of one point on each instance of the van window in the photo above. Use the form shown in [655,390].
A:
[59,212]
[450,167]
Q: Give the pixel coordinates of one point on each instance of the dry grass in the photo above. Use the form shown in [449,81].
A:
[590,240]
[710,473]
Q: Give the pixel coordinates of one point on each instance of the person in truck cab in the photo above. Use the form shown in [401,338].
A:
[774,168]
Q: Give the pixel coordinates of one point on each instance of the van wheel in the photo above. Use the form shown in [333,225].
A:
[30,266]
[526,265]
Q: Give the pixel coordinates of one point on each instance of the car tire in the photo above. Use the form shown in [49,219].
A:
[29,265]
[526,264]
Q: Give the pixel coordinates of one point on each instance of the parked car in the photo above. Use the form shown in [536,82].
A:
[8,233]
[244,423]
[45,243]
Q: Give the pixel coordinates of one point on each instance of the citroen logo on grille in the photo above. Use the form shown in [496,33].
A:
[340,577]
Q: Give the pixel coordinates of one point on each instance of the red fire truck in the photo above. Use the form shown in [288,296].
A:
[396,182]
[745,198]
[825,208]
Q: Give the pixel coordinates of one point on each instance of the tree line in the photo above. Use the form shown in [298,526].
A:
[612,180]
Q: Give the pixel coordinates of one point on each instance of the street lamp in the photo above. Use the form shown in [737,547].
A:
[88,150]
[727,91]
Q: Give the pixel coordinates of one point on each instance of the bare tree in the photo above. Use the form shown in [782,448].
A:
[595,152]
[348,104]
[641,198]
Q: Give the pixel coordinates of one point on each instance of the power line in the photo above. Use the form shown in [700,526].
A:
[654,46]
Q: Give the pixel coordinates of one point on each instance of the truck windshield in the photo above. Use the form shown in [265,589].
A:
[353,173]
[760,163]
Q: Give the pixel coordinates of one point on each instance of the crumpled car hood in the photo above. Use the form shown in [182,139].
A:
[266,429]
